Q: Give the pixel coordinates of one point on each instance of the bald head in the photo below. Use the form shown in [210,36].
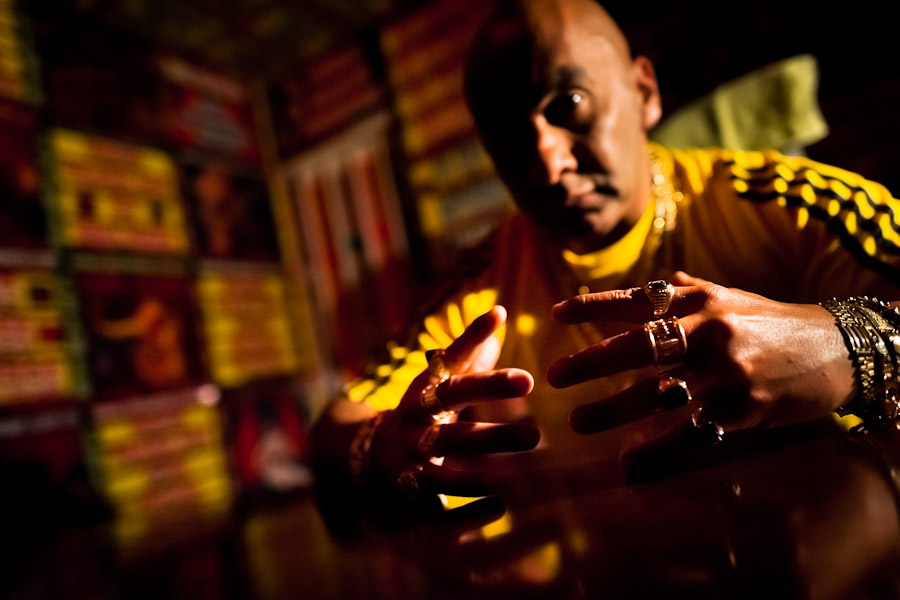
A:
[524,31]
[549,20]
[563,108]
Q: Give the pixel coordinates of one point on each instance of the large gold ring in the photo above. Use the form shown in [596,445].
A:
[436,364]
[660,294]
[672,392]
[432,405]
[667,341]
[709,430]
[439,372]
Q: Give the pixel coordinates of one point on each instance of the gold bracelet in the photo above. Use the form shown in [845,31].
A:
[869,336]
[884,319]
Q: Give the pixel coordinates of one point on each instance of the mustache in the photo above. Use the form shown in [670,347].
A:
[587,186]
[566,192]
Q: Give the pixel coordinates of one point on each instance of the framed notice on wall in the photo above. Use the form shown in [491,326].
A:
[17,57]
[206,111]
[38,349]
[162,465]
[109,195]
[246,325]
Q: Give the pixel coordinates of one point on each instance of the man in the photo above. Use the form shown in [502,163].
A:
[564,111]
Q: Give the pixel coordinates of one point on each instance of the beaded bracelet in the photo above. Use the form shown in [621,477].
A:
[871,331]
[360,446]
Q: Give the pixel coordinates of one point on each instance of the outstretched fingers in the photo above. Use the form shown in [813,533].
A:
[631,305]
[483,438]
[664,345]
[461,391]
[457,354]
[632,404]
[429,479]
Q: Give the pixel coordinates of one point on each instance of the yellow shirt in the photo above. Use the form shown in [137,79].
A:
[787,228]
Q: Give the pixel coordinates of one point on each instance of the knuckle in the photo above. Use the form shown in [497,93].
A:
[710,293]
[625,294]
[718,329]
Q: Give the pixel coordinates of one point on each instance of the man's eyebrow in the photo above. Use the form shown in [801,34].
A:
[564,76]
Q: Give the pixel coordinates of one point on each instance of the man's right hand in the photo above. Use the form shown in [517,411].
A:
[408,447]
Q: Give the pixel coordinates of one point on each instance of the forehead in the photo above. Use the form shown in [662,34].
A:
[542,44]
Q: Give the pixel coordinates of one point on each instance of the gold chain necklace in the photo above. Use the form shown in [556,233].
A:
[658,255]
[656,258]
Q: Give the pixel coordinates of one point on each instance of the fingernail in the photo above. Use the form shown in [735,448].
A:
[501,312]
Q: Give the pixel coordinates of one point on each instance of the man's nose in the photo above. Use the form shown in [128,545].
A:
[554,154]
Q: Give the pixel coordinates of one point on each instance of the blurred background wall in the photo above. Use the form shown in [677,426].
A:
[215,213]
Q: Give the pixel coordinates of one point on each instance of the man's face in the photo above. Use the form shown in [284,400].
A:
[564,112]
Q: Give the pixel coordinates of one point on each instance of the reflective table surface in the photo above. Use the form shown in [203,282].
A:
[802,512]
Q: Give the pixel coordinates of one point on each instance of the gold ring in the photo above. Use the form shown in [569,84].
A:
[667,341]
[660,294]
[409,483]
[436,364]
[672,392]
[439,372]
[432,405]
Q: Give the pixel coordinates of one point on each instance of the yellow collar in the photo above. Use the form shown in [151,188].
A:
[617,259]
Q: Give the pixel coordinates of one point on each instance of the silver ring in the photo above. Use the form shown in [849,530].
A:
[709,430]
[667,341]
[660,294]
[672,392]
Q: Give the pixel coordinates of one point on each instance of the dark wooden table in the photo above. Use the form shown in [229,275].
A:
[802,512]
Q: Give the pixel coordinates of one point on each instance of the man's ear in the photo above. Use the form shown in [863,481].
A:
[645,77]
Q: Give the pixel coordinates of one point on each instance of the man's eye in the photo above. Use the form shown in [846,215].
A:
[569,110]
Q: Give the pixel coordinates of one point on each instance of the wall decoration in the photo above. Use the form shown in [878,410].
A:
[141,332]
[162,465]
[267,439]
[320,97]
[206,110]
[18,69]
[23,222]
[231,210]
[458,197]
[114,196]
[354,241]
[246,327]
[38,350]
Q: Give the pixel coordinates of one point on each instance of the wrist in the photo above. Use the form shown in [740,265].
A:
[359,454]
